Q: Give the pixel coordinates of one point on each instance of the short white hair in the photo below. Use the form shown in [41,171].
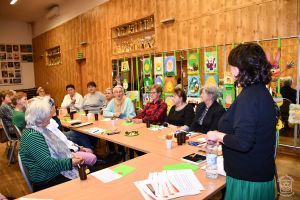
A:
[211,90]
[119,87]
[38,109]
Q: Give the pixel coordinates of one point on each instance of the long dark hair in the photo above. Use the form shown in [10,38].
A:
[251,60]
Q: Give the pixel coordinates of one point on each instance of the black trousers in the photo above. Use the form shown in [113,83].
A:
[55,181]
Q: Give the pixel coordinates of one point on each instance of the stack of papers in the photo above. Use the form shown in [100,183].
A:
[95,130]
[169,185]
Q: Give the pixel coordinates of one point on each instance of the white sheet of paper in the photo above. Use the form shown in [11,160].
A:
[106,175]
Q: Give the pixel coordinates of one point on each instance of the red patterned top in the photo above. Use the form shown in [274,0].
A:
[154,112]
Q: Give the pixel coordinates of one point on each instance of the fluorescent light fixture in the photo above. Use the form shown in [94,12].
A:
[13,2]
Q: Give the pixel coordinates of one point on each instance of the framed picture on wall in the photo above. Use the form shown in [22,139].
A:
[17,65]
[16,47]
[26,48]
[4,65]
[2,47]
[17,81]
[4,74]
[8,48]
[9,56]
[10,64]
[18,73]
[27,58]
[2,56]
[16,56]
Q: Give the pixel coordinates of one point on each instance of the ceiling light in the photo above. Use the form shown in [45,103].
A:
[13,2]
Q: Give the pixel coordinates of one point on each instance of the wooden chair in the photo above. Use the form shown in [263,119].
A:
[25,174]
[11,144]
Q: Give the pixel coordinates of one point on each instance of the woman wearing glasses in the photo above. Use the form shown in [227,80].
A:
[154,111]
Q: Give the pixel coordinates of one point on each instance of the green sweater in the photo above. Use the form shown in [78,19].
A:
[36,158]
[19,119]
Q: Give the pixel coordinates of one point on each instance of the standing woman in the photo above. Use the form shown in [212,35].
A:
[248,129]
[182,113]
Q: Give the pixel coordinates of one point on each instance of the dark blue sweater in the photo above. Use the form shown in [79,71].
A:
[250,125]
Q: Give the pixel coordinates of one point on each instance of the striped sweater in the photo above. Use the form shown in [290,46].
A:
[36,158]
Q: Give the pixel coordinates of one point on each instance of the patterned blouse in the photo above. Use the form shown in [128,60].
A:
[154,112]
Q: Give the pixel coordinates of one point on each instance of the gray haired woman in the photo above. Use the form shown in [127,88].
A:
[208,112]
[48,160]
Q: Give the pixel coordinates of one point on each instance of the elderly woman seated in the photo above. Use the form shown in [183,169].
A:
[48,159]
[120,106]
[209,112]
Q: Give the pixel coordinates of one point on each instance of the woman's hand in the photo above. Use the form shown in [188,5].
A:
[117,114]
[215,136]
[86,150]
[77,160]
[137,121]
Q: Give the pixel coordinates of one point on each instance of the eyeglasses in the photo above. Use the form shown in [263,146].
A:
[153,92]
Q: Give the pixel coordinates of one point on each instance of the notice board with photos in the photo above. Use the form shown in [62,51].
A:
[11,58]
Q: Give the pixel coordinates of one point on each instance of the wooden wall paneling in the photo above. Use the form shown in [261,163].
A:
[172,36]
[221,61]
[182,34]
[161,38]
[233,26]
[194,9]
[161,6]
[249,17]
[181,10]
[148,7]
[208,30]
[267,20]
[287,15]
[236,4]
[298,14]
[220,28]
[194,33]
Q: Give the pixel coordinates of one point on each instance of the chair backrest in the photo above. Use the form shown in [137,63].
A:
[25,173]
[6,131]
[17,131]
[285,107]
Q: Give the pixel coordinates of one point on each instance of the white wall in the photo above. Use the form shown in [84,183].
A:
[16,32]
[68,9]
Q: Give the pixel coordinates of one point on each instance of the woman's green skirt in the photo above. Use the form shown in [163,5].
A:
[246,190]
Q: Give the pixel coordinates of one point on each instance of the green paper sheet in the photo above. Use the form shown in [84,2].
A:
[127,123]
[65,120]
[181,166]
[124,170]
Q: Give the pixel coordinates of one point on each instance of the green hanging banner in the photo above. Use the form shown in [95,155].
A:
[147,66]
[193,63]
[137,76]
[170,65]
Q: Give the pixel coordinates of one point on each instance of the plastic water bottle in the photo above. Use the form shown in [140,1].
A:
[211,160]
